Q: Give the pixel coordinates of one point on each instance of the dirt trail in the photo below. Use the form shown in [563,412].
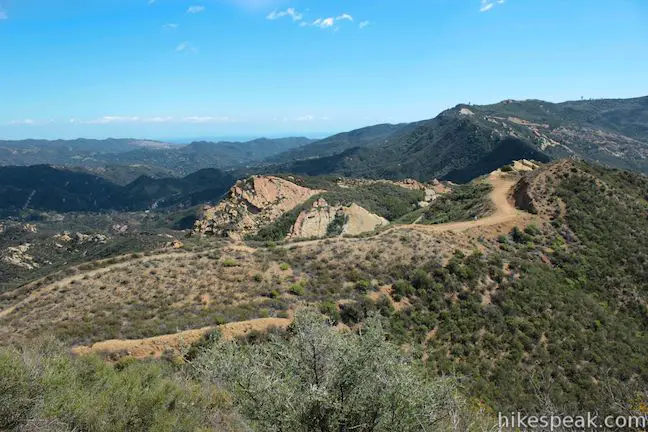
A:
[505,212]
[156,346]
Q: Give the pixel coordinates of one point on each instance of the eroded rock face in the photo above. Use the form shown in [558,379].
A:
[315,222]
[252,204]
[360,220]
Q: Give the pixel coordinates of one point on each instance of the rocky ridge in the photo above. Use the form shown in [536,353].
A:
[251,204]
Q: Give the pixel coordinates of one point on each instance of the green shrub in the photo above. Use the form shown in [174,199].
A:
[325,380]
[329,308]
[297,289]
[45,385]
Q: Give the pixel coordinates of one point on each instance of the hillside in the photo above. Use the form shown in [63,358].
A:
[43,188]
[535,298]
[468,141]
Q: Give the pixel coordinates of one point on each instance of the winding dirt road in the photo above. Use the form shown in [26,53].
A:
[505,213]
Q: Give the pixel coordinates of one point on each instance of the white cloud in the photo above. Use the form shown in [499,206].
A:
[3,15]
[186,47]
[487,5]
[291,12]
[170,26]
[324,22]
[150,2]
[155,119]
[206,119]
[29,122]
[307,118]
[330,21]
[363,24]
[109,120]
[195,9]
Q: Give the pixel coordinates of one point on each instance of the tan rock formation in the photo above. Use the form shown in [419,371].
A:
[360,220]
[252,204]
[314,222]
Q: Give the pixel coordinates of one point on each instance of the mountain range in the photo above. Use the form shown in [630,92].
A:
[458,145]
[469,140]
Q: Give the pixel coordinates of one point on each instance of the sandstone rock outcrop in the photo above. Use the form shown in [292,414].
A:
[315,222]
[251,204]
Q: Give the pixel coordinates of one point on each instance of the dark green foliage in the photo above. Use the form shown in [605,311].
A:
[465,202]
[575,332]
[336,226]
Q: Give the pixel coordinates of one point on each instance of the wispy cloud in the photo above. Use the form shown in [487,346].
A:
[364,24]
[29,122]
[106,120]
[170,26]
[329,22]
[3,14]
[195,9]
[324,23]
[487,5]
[186,47]
[309,118]
[206,119]
[290,12]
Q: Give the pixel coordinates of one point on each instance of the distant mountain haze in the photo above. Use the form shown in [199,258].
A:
[177,159]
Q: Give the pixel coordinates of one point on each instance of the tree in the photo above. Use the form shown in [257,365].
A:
[321,379]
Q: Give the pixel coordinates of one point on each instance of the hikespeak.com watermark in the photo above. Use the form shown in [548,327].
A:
[520,422]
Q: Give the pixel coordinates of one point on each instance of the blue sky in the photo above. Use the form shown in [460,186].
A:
[195,68]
